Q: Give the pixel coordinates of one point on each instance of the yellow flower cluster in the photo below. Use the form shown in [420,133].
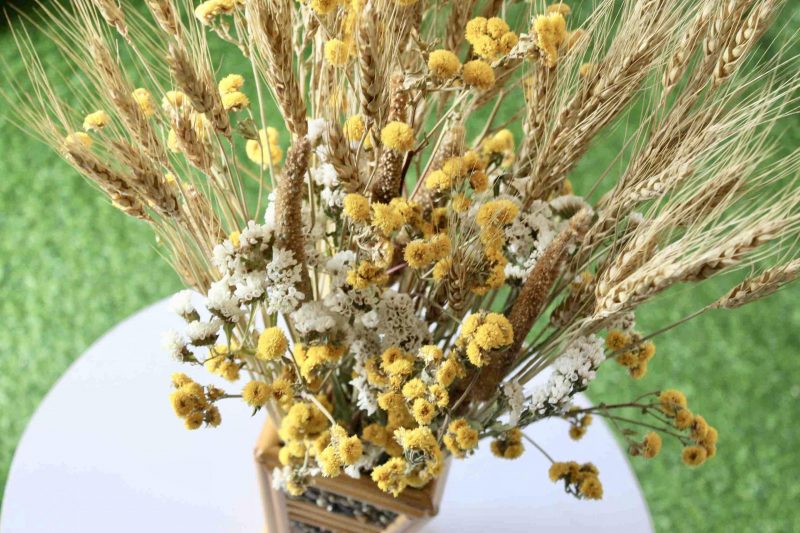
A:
[367,273]
[551,32]
[224,362]
[267,138]
[397,473]
[460,438]
[478,74]
[578,428]
[398,136]
[256,393]
[508,445]
[456,170]
[144,100]
[194,404]
[490,38]
[443,64]
[233,99]
[580,480]
[311,359]
[336,52]
[354,130]
[500,147]
[78,140]
[637,355]
[209,10]
[674,405]
[272,344]
[420,253]
[341,450]
[96,121]
[481,333]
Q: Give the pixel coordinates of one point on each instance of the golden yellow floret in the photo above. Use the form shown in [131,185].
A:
[173,99]
[145,101]
[694,455]
[235,101]
[616,339]
[423,411]
[96,121]
[366,274]
[438,180]
[256,393]
[356,207]
[391,476]
[194,420]
[443,64]
[207,11]
[337,52]
[272,344]
[419,254]
[78,140]
[560,7]
[329,462]
[398,136]
[497,213]
[269,139]
[442,268]
[651,445]
[323,7]
[230,84]
[551,32]
[354,128]
[591,488]
[479,74]
[672,401]
[386,218]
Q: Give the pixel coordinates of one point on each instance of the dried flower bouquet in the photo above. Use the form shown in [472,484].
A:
[391,283]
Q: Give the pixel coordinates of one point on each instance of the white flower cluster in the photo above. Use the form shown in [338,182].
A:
[527,237]
[515,397]
[572,372]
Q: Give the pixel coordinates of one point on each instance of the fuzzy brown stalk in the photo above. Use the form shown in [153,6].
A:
[531,301]
[163,12]
[389,178]
[270,25]
[199,87]
[761,286]
[288,208]
[114,184]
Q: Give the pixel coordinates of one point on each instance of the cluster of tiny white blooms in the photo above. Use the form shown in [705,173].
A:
[202,333]
[181,304]
[313,317]
[366,396]
[174,344]
[222,301]
[342,298]
[396,321]
[572,372]
[283,274]
[528,236]
[331,194]
[314,232]
[316,128]
[515,397]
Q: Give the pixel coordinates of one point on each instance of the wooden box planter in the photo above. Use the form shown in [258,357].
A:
[317,509]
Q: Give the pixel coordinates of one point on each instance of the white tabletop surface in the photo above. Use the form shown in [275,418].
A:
[104,452]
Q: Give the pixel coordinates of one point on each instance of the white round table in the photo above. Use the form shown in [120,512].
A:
[104,452]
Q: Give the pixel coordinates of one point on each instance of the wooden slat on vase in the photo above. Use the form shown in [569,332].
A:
[413,506]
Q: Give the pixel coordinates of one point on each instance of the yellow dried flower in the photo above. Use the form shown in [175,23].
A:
[354,128]
[386,218]
[230,84]
[96,121]
[423,411]
[323,7]
[560,7]
[497,213]
[672,401]
[256,393]
[337,52]
[366,274]
[356,207]
[479,74]
[443,64]
[235,101]
[145,101]
[419,254]
[268,138]
[651,445]
[78,139]
[272,344]
[694,455]
[398,136]
[551,32]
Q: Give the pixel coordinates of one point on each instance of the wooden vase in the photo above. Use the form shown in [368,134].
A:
[378,510]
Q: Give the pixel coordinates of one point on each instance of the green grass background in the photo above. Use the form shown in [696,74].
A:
[71,267]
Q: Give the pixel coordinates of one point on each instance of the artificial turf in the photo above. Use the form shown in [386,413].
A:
[71,266]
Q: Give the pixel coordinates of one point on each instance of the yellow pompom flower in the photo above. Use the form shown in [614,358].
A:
[207,11]
[272,344]
[354,128]
[366,274]
[173,99]
[418,254]
[479,74]
[235,101]
[386,218]
[443,64]
[560,7]
[269,139]
[497,213]
[356,207]
[672,401]
[694,455]
[256,393]
[350,449]
[145,101]
[683,419]
[430,353]
[651,445]
[194,420]
[438,180]
[323,7]
[96,121]
[479,181]
[391,476]
[398,136]
[230,84]
[78,140]
[551,32]
[329,462]
[616,339]
[337,52]
[591,488]
[442,268]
